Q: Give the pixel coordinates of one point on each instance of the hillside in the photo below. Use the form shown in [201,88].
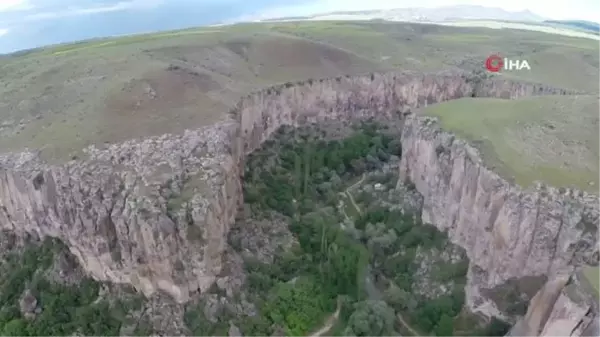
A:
[531,139]
[288,179]
[61,99]
[436,14]
[593,27]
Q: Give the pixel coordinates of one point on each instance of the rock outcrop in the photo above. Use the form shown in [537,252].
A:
[155,213]
[565,306]
[383,96]
[508,232]
[152,213]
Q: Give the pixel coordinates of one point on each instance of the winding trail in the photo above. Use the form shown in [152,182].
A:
[348,195]
[329,323]
[362,178]
[347,192]
[376,294]
[372,291]
[408,327]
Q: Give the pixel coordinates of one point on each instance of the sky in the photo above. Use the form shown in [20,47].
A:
[553,9]
[32,23]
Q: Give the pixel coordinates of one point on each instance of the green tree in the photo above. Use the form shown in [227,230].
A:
[297,175]
[16,327]
[497,327]
[307,158]
[371,318]
[398,298]
[445,326]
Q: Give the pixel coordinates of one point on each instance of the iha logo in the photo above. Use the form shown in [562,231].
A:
[495,63]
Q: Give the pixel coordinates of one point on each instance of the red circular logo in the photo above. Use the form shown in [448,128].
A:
[494,63]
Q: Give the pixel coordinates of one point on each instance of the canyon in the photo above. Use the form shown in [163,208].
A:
[155,212]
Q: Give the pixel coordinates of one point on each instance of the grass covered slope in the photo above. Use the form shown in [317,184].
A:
[63,98]
[553,139]
[66,98]
[578,24]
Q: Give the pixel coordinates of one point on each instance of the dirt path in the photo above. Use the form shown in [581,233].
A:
[403,322]
[328,324]
[344,212]
[373,294]
[353,203]
[350,194]
[356,183]
[347,195]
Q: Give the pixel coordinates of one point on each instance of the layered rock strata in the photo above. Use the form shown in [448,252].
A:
[155,212]
[564,306]
[508,232]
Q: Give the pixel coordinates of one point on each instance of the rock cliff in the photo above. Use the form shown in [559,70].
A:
[564,306]
[155,212]
[152,213]
[508,232]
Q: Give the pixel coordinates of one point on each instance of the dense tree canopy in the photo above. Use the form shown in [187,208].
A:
[371,318]
[63,309]
[300,174]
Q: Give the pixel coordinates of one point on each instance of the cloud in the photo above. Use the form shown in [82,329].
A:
[78,11]
[15,5]
[3,31]
[581,9]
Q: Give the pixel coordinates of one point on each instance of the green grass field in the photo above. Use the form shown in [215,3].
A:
[552,139]
[592,274]
[63,98]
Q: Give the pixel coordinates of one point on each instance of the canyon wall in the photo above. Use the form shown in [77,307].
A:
[152,213]
[155,213]
[381,96]
[507,231]
[565,306]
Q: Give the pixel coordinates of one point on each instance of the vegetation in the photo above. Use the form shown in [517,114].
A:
[311,169]
[299,174]
[63,98]
[300,180]
[199,325]
[592,274]
[394,245]
[371,318]
[531,138]
[63,309]
[578,24]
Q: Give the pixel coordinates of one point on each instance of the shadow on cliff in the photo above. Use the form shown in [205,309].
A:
[70,201]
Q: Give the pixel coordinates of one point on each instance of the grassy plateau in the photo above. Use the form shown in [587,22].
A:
[63,98]
[553,139]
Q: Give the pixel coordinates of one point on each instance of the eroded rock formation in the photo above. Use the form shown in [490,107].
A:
[155,212]
[565,306]
[508,232]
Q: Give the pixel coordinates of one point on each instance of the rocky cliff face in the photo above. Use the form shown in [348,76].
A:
[564,306]
[155,212]
[152,213]
[379,95]
[508,232]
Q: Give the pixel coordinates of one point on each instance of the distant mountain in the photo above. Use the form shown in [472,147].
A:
[22,30]
[447,13]
[590,26]
[481,12]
